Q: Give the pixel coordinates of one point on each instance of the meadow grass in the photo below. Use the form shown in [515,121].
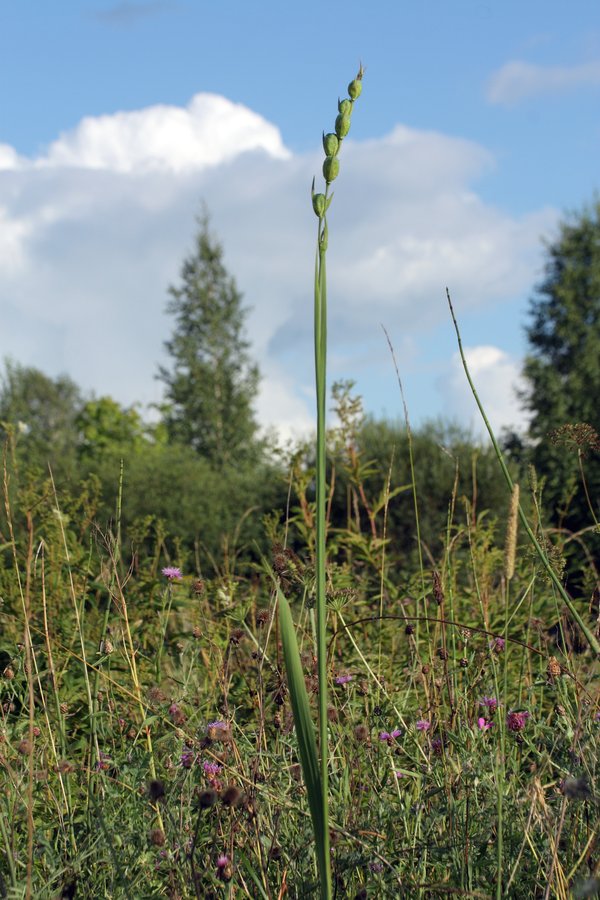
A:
[320,727]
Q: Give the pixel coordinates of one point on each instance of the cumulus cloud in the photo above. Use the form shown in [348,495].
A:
[497,378]
[517,80]
[209,131]
[95,229]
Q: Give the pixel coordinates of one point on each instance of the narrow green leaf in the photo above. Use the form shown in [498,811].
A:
[307,745]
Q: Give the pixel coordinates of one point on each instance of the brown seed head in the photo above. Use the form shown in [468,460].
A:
[156,837]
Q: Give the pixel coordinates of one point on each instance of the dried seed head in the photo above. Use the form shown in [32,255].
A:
[157,837]
[553,669]
[361,733]
[576,788]
[25,747]
[331,144]
[510,547]
[231,796]
[156,790]
[206,799]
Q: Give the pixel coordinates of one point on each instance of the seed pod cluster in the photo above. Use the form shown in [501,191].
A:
[332,143]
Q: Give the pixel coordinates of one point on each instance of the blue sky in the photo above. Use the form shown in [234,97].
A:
[477,130]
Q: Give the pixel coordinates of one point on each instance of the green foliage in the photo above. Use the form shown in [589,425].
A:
[562,372]
[105,427]
[38,416]
[212,384]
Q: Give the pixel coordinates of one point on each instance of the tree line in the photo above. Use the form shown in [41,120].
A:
[203,474]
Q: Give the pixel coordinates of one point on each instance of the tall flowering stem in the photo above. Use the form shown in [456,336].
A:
[315,762]
[332,143]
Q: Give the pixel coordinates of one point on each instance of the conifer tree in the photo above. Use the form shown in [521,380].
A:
[562,372]
[212,382]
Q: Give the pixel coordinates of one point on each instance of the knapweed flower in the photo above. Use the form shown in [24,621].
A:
[172,573]
[104,762]
[498,644]
[516,721]
[423,725]
[390,735]
[212,768]
[177,716]
[224,870]
[218,731]
[343,679]
[490,702]
[483,724]
[187,759]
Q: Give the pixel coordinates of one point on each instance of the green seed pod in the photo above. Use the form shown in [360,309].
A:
[342,125]
[345,107]
[355,88]
[331,168]
[331,145]
[318,202]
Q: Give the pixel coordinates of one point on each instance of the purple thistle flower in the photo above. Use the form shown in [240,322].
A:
[423,725]
[399,774]
[390,735]
[212,768]
[172,573]
[490,702]
[222,861]
[498,644]
[516,721]
[343,679]
[187,759]
[220,725]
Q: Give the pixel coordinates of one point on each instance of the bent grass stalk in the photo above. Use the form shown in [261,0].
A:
[589,636]
[317,778]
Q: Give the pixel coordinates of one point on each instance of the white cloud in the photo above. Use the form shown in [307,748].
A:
[93,232]
[9,158]
[497,378]
[517,80]
[209,131]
